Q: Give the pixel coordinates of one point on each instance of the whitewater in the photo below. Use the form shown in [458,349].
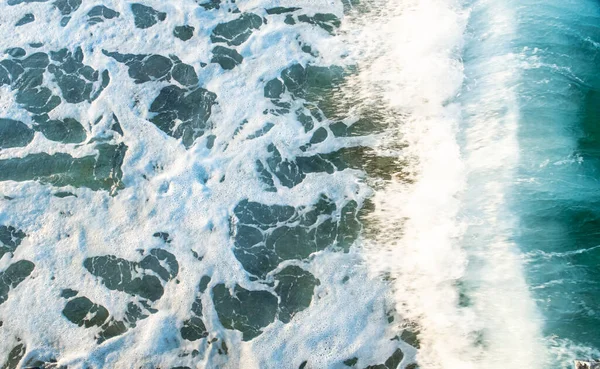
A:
[299,184]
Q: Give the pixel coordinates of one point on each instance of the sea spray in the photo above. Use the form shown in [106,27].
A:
[446,245]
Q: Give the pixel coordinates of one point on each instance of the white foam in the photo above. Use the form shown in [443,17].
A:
[448,231]
[185,198]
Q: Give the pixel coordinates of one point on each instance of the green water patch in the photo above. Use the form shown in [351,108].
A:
[327,96]
[86,314]
[164,236]
[266,235]
[180,112]
[110,329]
[327,21]
[67,293]
[226,58]
[14,134]
[243,310]
[410,335]
[146,16]
[16,273]
[237,31]
[64,194]
[262,131]
[290,173]
[274,89]
[117,274]
[287,172]
[66,8]
[155,262]
[391,363]
[10,239]
[30,93]
[77,82]
[295,288]
[370,122]
[350,5]
[15,356]
[183,113]
[45,363]
[316,85]
[67,130]
[116,125]
[16,2]
[356,157]
[97,172]
[27,18]
[319,136]
[265,177]
[311,82]
[351,362]
[210,4]
[143,281]
[185,74]
[184,32]
[100,13]
[144,68]
[194,328]
[281,10]
[121,275]
[16,52]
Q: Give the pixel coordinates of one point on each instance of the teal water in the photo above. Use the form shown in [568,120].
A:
[557,194]
[530,135]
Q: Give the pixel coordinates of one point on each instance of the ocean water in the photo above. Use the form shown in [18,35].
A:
[299,184]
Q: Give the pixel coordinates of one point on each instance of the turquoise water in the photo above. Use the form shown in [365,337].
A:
[551,56]
[557,194]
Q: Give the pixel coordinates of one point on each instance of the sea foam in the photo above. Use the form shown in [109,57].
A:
[184,203]
[449,75]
